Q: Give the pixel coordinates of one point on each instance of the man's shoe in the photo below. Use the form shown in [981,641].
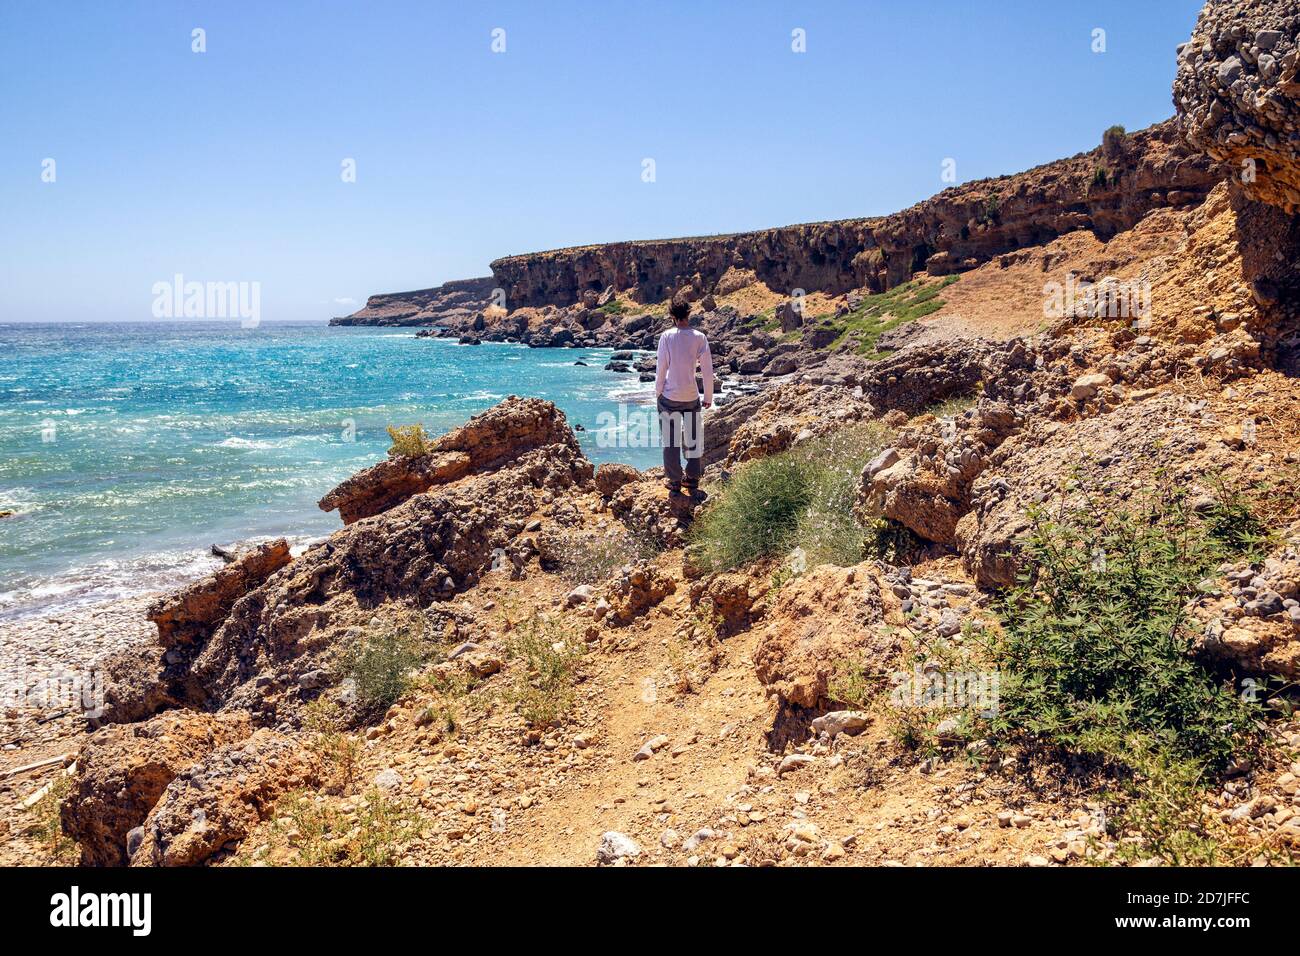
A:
[673,489]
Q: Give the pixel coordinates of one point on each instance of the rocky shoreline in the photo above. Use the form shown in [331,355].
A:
[507,655]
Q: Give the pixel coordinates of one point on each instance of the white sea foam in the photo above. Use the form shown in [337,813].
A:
[237,442]
[119,578]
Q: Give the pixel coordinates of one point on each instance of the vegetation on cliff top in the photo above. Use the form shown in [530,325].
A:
[877,314]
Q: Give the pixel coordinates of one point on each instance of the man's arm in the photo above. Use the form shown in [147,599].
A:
[706,367]
[661,365]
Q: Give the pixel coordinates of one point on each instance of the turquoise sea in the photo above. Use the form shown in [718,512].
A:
[127,449]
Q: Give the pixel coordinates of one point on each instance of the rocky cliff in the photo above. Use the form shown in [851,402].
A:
[458,299]
[1238,95]
[1105,190]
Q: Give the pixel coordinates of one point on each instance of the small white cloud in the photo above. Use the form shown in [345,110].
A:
[346,300]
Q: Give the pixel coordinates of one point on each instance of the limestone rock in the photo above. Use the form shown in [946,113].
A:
[124,769]
[218,800]
[488,441]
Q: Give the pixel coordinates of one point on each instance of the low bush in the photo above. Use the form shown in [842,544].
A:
[800,498]
[1096,660]
[546,671]
[1097,646]
[408,440]
[380,664]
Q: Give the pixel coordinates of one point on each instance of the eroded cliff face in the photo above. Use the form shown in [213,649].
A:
[1238,95]
[1238,99]
[1106,190]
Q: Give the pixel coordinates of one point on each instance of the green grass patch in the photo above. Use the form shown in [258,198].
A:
[801,498]
[884,311]
[381,664]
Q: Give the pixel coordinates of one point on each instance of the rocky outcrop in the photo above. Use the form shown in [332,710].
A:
[647,510]
[1251,619]
[922,374]
[924,481]
[613,475]
[488,440]
[221,797]
[274,645]
[192,613]
[1238,95]
[1115,454]
[825,619]
[730,602]
[1105,190]
[449,302]
[427,549]
[123,771]
[635,591]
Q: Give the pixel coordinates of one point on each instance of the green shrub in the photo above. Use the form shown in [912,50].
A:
[800,498]
[827,530]
[316,833]
[546,671]
[408,440]
[755,513]
[1096,650]
[381,663]
[992,204]
[1233,521]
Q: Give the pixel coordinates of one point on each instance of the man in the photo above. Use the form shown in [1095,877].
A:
[681,348]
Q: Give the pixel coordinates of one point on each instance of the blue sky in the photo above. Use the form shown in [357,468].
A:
[225,165]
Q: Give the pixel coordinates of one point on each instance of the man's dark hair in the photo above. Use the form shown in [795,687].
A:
[680,310]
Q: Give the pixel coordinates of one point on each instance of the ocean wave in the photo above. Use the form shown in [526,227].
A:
[626,391]
[248,443]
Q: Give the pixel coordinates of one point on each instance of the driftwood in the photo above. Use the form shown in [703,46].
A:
[36,795]
[37,765]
